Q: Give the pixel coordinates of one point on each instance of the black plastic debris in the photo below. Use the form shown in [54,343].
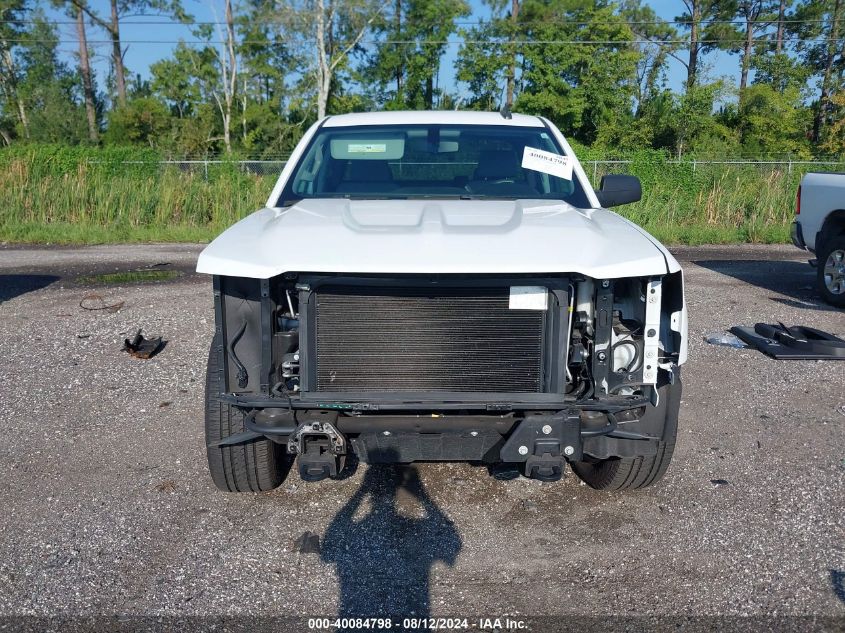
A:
[792,343]
[307,543]
[141,347]
[720,482]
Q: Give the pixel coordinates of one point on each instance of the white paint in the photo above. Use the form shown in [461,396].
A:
[547,162]
[434,236]
[651,331]
[821,194]
[438,236]
[528,298]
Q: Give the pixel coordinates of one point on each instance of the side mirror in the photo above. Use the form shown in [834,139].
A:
[616,189]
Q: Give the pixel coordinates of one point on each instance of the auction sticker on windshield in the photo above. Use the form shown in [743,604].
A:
[547,162]
[367,148]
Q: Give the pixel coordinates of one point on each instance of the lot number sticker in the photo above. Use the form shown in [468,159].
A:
[546,162]
[528,298]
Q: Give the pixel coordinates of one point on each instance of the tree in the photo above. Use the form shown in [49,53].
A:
[835,141]
[657,41]
[486,56]
[85,72]
[585,80]
[822,48]
[707,23]
[756,16]
[117,10]
[142,121]
[773,122]
[173,81]
[11,31]
[696,128]
[194,78]
[407,56]
[323,33]
[48,89]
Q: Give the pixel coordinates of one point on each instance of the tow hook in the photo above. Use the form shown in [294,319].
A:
[544,442]
[320,450]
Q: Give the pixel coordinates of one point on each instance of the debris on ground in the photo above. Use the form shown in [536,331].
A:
[166,403]
[166,486]
[97,302]
[720,482]
[307,543]
[798,342]
[530,506]
[725,339]
[141,347]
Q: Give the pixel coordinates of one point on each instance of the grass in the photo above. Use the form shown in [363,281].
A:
[129,277]
[93,196]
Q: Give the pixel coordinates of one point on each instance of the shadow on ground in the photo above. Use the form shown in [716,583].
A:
[12,286]
[384,542]
[796,280]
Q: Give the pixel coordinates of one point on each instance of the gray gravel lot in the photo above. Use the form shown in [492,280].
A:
[107,507]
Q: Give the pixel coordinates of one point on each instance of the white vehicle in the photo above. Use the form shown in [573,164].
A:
[819,227]
[442,286]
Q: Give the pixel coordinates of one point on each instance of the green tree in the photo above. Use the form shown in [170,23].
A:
[11,31]
[141,121]
[709,29]
[581,70]
[118,9]
[173,81]
[821,29]
[486,56]
[411,44]
[49,89]
[773,122]
[323,34]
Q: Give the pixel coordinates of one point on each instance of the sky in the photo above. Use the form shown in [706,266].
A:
[140,56]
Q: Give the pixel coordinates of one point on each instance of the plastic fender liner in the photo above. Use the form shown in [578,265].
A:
[653,423]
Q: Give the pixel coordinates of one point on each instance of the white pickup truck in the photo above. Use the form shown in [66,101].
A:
[819,227]
[427,286]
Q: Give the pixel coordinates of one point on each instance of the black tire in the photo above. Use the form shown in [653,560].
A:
[630,473]
[251,467]
[835,244]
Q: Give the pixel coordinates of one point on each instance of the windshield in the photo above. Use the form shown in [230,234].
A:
[434,161]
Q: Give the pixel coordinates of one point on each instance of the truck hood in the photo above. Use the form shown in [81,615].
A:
[435,236]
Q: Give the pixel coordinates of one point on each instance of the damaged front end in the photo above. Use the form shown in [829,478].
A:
[538,370]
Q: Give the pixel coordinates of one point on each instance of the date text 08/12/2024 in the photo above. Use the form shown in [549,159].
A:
[423,624]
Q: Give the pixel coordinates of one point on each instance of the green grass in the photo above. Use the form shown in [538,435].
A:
[128,277]
[61,195]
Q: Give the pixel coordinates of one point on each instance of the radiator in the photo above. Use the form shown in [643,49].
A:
[422,340]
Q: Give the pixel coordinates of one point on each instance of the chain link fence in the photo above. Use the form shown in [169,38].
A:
[595,168]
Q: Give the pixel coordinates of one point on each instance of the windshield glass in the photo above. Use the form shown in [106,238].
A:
[434,161]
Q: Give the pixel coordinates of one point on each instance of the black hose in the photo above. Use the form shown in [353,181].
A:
[634,361]
[243,376]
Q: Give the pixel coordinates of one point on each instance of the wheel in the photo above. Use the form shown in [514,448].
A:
[628,473]
[831,270]
[250,467]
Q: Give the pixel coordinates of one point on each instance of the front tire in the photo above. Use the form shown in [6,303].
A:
[255,466]
[630,473]
[830,271]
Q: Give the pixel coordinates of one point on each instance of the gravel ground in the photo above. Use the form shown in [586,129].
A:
[108,508]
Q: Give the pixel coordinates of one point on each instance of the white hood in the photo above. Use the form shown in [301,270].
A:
[435,236]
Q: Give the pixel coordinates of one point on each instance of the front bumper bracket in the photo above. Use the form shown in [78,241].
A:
[544,442]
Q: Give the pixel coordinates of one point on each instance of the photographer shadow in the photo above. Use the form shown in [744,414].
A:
[384,558]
